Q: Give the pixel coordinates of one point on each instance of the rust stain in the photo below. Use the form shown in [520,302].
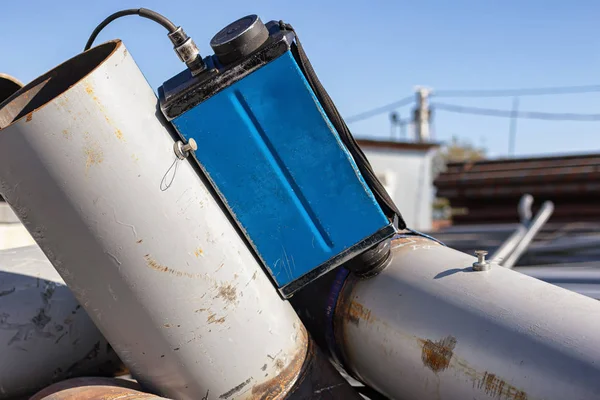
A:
[119,135]
[437,355]
[66,134]
[199,252]
[201,310]
[29,117]
[167,325]
[493,385]
[89,89]
[163,268]
[228,293]
[139,241]
[496,387]
[357,312]
[93,156]
[278,387]
[212,319]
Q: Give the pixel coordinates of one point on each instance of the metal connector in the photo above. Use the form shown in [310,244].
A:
[182,151]
[481,264]
[187,51]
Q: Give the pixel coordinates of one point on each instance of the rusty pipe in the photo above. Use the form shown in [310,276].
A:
[93,388]
[8,86]
[430,327]
[141,239]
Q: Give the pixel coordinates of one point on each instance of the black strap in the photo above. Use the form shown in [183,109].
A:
[383,198]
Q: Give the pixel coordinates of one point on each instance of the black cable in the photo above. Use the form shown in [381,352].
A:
[517,92]
[516,114]
[142,12]
[380,110]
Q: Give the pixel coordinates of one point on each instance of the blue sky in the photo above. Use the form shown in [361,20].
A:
[367,54]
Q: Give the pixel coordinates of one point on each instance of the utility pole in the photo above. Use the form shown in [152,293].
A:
[394,120]
[512,133]
[422,114]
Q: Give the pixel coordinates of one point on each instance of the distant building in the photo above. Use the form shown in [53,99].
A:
[405,169]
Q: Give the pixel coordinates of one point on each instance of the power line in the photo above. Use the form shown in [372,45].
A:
[492,93]
[518,92]
[516,114]
[380,110]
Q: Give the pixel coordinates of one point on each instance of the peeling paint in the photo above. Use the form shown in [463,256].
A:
[228,293]
[498,388]
[357,312]
[93,156]
[236,389]
[437,355]
[212,319]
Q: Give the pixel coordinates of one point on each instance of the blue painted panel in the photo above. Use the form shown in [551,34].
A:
[278,163]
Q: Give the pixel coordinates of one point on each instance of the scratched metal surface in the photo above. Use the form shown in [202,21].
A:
[141,241]
[429,327]
[45,335]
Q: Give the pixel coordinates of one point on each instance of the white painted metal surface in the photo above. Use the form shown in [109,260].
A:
[44,334]
[429,327]
[141,241]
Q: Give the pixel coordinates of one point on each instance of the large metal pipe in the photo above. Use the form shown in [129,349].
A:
[45,336]
[88,166]
[94,388]
[429,327]
[8,86]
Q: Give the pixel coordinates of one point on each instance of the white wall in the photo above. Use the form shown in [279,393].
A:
[406,174]
[12,232]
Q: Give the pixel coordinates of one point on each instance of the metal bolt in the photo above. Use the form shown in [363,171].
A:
[481,264]
[183,150]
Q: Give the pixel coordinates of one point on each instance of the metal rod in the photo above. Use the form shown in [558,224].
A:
[510,244]
[538,222]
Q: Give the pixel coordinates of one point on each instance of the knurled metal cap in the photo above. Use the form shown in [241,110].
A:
[239,39]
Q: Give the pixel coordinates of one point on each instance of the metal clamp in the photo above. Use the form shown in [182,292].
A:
[182,151]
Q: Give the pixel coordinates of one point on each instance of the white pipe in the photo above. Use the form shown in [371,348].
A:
[89,168]
[532,229]
[45,336]
[429,327]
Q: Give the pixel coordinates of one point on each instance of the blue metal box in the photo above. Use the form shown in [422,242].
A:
[276,161]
